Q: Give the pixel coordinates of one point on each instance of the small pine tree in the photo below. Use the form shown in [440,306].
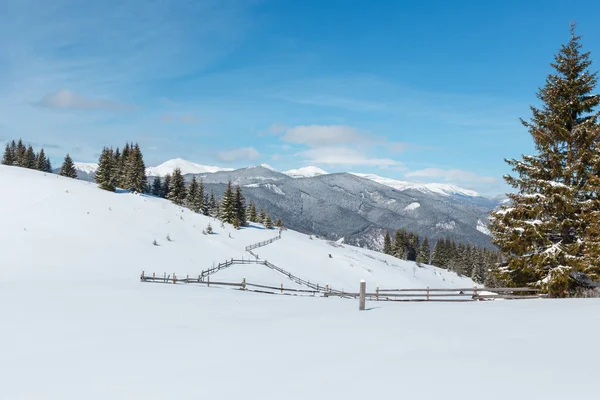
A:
[20,150]
[9,157]
[262,215]
[68,168]
[157,187]
[177,192]
[200,200]
[279,223]
[209,229]
[192,195]
[424,252]
[166,186]
[387,243]
[40,161]
[252,215]
[29,159]
[268,222]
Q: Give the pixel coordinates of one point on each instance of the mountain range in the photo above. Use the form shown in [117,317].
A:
[352,207]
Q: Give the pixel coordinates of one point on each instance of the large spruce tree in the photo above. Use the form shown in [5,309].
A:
[68,168]
[228,211]
[387,243]
[8,158]
[240,206]
[543,230]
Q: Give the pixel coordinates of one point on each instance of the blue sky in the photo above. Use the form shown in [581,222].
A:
[425,91]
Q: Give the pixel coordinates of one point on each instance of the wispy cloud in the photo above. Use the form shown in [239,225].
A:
[345,156]
[241,154]
[458,175]
[68,100]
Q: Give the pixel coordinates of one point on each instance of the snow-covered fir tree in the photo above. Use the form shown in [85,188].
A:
[268,222]
[261,216]
[192,193]
[68,168]
[252,215]
[106,177]
[135,170]
[279,223]
[240,206]
[177,191]
[544,230]
[227,210]
[29,159]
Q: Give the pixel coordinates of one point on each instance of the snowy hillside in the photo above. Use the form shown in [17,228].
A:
[122,224]
[78,323]
[187,167]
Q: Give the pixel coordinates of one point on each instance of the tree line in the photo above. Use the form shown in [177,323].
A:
[549,231]
[124,169]
[464,259]
[19,155]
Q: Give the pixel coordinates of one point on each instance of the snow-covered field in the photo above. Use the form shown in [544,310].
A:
[78,324]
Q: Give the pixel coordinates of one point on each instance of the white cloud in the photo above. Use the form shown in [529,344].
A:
[323,135]
[451,175]
[346,156]
[66,99]
[244,153]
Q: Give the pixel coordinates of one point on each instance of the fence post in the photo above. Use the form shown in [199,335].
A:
[363,294]
[377,294]
[165,277]
[282,288]
[187,278]
[153,276]
[427,293]
[474,292]
[174,278]
[198,278]
[208,281]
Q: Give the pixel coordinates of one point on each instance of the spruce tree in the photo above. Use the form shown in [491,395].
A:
[40,161]
[68,168]
[200,202]
[268,221]
[543,230]
[387,243]
[123,166]
[106,173]
[29,160]
[424,252]
[252,215]
[166,186]
[399,248]
[212,208]
[48,165]
[228,212]
[279,223]
[20,150]
[135,170]
[261,216]
[240,206]
[192,195]
[177,192]
[157,187]
[8,157]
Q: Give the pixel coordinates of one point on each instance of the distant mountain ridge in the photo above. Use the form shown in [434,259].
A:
[353,207]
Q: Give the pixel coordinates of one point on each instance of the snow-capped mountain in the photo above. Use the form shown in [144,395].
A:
[444,189]
[87,168]
[306,172]
[186,167]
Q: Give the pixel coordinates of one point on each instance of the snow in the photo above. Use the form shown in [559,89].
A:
[446,226]
[78,323]
[306,172]
[88,168]
[187,167]
[483,228]
[444,189]
[412,206]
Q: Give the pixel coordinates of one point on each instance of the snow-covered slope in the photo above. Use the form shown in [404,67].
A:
[444,189]
[187,167]
[305,172]
[107,228]
[78,323]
